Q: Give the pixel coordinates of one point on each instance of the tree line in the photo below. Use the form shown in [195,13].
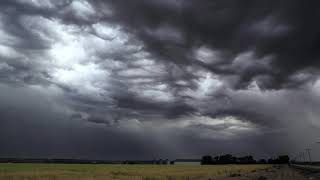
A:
[230,159]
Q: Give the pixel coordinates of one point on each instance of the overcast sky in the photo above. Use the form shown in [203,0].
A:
[143,79]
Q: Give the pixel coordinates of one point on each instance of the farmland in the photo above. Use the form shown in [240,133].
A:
[121,172]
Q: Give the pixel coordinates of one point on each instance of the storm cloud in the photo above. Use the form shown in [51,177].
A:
[118,79]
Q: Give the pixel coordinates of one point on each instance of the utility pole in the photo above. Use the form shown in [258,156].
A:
[308,151]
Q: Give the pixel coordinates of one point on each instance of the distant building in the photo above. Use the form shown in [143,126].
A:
[187,162]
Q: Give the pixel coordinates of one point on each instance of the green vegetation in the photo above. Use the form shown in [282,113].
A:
[119,172]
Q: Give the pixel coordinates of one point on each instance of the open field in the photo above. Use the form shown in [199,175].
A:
[141,172]
[84,172]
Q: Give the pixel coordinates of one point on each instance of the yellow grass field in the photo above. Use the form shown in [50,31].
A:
[119,172]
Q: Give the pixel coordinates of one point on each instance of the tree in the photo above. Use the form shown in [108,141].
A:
[205,160]
[283,159]
[262,161]
[226,159]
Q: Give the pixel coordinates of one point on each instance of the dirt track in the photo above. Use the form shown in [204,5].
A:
[274,173]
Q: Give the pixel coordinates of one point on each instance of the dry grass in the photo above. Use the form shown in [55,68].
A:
[118,172]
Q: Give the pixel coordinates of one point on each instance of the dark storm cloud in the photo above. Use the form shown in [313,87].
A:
[286,30]
[115,75]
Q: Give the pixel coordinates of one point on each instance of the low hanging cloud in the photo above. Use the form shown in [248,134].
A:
[158,77]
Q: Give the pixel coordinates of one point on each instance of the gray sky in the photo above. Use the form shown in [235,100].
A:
[142,79]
